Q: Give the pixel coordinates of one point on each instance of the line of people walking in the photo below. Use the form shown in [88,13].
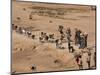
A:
[80,40]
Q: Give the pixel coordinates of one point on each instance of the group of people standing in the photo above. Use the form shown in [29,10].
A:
[80,38]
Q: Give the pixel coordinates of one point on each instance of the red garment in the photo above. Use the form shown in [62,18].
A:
[77,60]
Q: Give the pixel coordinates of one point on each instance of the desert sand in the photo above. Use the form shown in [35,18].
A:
[27,52]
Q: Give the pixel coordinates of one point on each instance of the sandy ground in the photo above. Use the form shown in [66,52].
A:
[24,53]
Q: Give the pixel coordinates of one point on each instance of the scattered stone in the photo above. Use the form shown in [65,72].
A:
[50,21]
[18,18]
[24,9]
[57,61]
[33,67]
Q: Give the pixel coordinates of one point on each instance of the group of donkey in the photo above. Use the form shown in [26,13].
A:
[44,37]
[23,31]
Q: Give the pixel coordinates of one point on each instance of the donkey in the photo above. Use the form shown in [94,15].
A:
[33,36]
[51,38]
[29,33]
